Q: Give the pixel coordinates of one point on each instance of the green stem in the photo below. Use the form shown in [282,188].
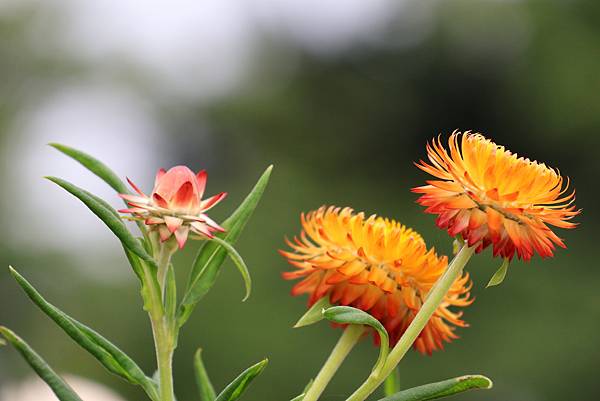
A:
[434,299]
[164,258]
[164,358]
[347,341]
[162,329]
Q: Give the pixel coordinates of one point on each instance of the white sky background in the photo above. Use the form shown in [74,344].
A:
[193,49]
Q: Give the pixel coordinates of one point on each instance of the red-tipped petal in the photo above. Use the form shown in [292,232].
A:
[173,223]
[164,233]
[160,201]
[159,174]
[212,201]
[181,235]
[201,180]
[135,188]
[212,223]
[202,229]
[185,198]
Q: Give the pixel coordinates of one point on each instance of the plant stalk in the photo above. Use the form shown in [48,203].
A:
[347,341]
[434,299]
[162,329]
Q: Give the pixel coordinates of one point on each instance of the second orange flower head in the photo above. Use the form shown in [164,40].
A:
[491,196]
[175,206]
[376,265]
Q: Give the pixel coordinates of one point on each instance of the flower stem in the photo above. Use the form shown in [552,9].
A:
[347,341]
[162,328]
[434,299]
[164,258]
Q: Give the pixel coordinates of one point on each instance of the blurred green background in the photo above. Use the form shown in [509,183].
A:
[341,97]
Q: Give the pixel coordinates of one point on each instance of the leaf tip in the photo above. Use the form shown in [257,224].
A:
[478,381]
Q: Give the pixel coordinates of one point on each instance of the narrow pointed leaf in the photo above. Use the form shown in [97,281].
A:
[350,315]
[314,313]
[392,383]
[236,388]
[205,387]
[211,256]
[239,263]
[500,274]
[63,391]
[111,357]
[95,166]
[441,389]
[112,222]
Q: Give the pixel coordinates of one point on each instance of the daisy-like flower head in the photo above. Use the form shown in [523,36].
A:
[490,196]
[175,206]
[376,265]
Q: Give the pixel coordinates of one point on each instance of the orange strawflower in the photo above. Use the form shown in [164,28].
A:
[175,206]
[376,265]
[489,195]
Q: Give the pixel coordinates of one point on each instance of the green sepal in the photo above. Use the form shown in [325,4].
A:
[350,315]
[95,166]
[237,260]
[306,388]
[441,389]
[112,222]
[236,388]
[314,314]
[111,357]
[211,255]
[205,387]
[500,274]
[63,391]
[392,383]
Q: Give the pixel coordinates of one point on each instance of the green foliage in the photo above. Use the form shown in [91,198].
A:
[500,274]
[314,314]
[63,391]
[205,387]
[239,263]
[95,166]
[350,315]
[112,222]
[111,357]
[236,388]
[441,389]
[211,255]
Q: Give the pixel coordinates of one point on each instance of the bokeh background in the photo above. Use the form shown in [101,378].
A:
[341,96]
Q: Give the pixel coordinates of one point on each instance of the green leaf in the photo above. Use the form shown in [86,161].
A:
[441,389]
[500,274]
[95,166]
[211,255]
[112,222]
[350,315]
[392,383]
[236,388]
[314,314]
[171,292]
[63,391]
[205,387]
[306,388]
[111,357]
[239,263]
